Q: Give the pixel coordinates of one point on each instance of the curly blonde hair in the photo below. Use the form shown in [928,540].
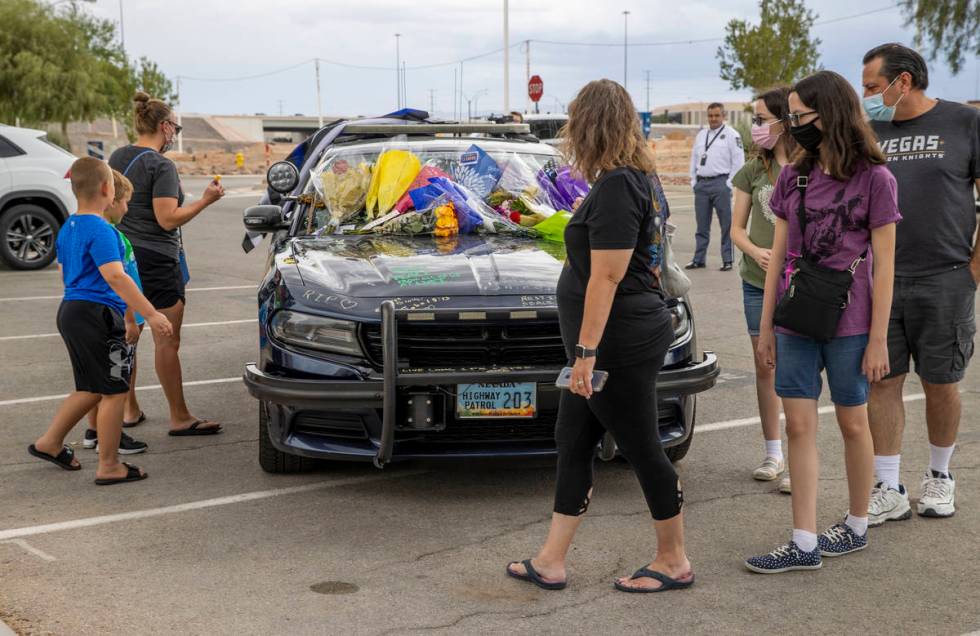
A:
[603,132]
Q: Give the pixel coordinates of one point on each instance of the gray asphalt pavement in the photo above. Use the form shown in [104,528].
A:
[210,544]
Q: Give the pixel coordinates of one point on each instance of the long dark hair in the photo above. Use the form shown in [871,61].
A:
[776,100]
[847,138]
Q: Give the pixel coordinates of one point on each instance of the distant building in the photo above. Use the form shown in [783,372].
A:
[696,113]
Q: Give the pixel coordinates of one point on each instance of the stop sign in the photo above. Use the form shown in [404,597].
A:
[535,88]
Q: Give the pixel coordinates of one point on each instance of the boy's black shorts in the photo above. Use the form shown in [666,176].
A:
[95,335]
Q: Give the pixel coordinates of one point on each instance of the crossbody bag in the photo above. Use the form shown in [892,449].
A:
[816,296]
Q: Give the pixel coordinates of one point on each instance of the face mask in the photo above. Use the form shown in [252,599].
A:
[875,107]
[808,136]
[168,144]
[762,136]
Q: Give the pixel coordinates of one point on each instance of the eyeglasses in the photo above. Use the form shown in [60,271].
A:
[794,118]
[759,120]
[177,127]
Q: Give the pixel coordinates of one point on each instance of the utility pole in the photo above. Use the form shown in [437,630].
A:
[648,90]
[180,109]
[460,90]
[506,57]
[404,87]
[432,101]
[398,71]
[527,74]
[455,112]
[319,102]
[626,22]
[122,31]
[280,107]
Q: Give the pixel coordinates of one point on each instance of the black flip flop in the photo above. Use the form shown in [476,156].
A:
[139,420]
[194,430]
[63,459]
[532,576]
[667,583]
[132,474]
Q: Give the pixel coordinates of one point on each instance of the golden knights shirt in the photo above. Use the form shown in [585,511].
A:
[935,158]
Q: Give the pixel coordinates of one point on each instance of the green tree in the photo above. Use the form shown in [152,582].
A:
[779,50]
[950,28]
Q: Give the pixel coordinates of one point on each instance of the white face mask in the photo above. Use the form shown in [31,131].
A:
[168,141]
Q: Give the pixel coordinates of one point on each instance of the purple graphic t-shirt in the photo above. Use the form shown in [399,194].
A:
[840,217]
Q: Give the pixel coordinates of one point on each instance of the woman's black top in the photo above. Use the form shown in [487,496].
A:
[617,214]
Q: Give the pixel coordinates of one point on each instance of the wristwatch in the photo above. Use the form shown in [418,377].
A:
[581,351]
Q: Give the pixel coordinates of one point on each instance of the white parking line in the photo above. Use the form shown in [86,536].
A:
[749,421]
[17,533]
[192,324]
[152,387]
[190,289]
[27,547]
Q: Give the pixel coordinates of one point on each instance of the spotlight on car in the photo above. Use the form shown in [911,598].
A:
[283,177]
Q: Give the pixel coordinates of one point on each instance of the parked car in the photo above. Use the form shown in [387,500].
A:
[381,347]
[35,196]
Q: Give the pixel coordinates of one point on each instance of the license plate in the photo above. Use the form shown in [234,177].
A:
[509,399]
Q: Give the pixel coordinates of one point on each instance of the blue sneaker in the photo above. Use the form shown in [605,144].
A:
[840,539]
[785,559]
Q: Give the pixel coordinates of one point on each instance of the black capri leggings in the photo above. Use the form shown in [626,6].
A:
[627,408]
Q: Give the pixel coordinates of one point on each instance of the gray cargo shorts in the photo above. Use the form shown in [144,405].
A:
[933,323]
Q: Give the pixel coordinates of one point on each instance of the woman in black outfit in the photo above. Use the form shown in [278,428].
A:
[613,317]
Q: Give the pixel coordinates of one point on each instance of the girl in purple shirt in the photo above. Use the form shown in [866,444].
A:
[851,212]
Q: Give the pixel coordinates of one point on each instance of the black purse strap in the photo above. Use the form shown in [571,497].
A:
[802,182]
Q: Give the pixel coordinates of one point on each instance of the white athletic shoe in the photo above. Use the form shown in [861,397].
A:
[770,469]
[888,504]
[936,499]
[785,486]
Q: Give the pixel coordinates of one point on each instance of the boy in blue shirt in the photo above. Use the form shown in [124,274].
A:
[114,214]
[92,324]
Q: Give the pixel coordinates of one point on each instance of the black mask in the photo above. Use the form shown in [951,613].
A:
[808,136]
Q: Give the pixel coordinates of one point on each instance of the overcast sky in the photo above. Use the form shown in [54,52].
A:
[212,39]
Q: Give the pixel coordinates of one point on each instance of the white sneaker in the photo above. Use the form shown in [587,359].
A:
[936,499]
[785,486]
[888,504]
[770,469]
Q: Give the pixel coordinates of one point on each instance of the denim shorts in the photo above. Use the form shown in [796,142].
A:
[800,360]
[752,302]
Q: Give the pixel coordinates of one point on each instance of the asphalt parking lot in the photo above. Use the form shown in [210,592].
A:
[210,544]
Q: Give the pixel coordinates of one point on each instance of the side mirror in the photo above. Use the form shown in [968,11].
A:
[282,177]
[264,218]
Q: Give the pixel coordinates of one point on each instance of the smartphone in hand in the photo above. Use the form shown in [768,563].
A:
[598,379]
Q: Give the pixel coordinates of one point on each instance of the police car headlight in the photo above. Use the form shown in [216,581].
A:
[681,320]
[316,332]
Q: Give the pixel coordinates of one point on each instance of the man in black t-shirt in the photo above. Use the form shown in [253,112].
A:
[933,149]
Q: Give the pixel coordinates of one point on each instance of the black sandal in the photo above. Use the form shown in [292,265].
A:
[139,420]
[63,458]
[194,430]
[132,474]
[666,582]
[532,576]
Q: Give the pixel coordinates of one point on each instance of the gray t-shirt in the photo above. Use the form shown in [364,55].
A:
[153,176]
[935,158]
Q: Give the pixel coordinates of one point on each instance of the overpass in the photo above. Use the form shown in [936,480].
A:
[249,128]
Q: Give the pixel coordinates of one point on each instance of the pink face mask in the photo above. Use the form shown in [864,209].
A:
[762,136]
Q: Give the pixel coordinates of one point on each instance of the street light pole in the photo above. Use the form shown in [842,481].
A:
[626,20]
[319,101]
[122,30]
[506,57]
[398,71]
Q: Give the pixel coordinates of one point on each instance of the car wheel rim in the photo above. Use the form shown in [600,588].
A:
[30,238]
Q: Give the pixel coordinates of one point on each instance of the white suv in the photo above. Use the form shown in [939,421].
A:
[35,196]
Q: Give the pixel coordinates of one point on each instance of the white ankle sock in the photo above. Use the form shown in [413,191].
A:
[858,524]
[774,448]
[939,458]
[807,541]
[887,469]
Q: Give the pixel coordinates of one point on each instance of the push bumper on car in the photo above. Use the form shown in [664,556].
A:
[330,394]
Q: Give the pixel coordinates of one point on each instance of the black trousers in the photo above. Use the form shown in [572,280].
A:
[627,408]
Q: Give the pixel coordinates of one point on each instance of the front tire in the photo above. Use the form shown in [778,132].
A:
[27,237]
[273,460]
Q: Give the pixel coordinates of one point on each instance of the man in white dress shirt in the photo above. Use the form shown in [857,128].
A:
[716,157]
